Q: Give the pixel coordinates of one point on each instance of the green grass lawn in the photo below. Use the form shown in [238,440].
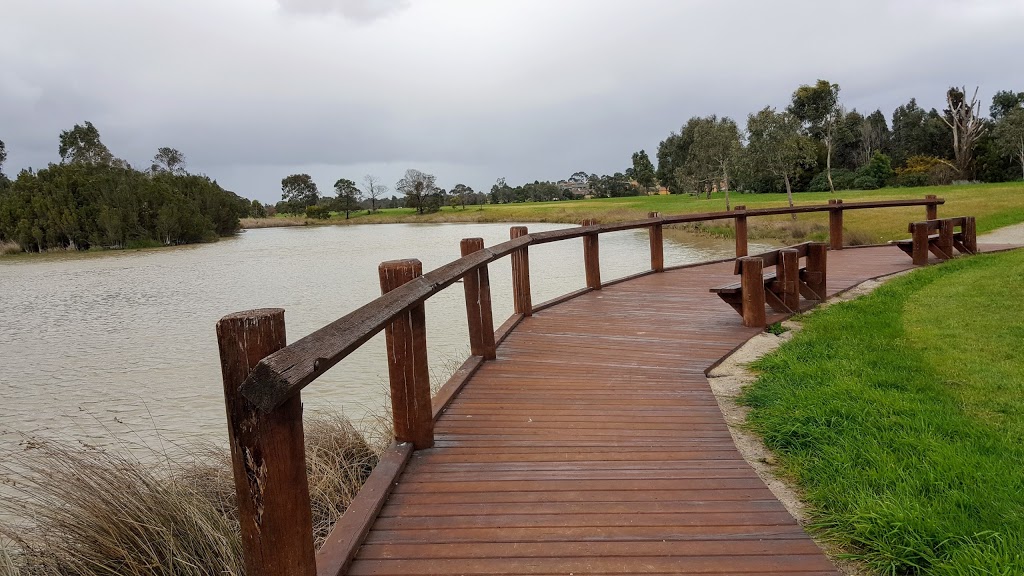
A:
[901,417]
[994,205]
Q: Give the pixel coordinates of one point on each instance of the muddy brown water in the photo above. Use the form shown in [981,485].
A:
[119,348]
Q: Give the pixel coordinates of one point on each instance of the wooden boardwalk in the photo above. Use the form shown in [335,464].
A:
[594,445]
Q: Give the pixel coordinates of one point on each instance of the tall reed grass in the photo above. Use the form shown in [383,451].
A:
[73,510]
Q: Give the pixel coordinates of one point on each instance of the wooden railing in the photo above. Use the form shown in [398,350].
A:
[263,377]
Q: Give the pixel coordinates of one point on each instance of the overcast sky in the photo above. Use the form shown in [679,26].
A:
[470,90]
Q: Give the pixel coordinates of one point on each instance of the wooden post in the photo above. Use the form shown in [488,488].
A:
[591,257]
[741,231]
[945,243]
[787,271]
[521,275]
[835,225]
[657,245]
[931,210]
[478,304]
[752,286]
[970,235]
[817,269]
[406,337]
[268,457]
[919,231]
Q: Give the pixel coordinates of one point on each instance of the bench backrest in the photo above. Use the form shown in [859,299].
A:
[935,225]
[771,258]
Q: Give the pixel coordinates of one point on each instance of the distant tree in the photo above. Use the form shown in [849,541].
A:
[257,210]
[874,135]
[374,190]
[82,145]
[3,155]
[299,192]
[1004,102]
[965,122]
[643,171]
[348,196]
[818,108]
[578,177]
[1009,135]
[460,195]
[418,188]
[713,153]
[916,132]
[501,193]
[168,160]
[672,154]
[776,147]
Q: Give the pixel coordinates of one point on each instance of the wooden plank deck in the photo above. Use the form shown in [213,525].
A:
[593,445]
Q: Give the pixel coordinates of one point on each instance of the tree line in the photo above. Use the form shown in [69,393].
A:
[91,199]
[816,144]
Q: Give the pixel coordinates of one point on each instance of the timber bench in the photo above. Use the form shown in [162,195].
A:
[780,288]
[939,237]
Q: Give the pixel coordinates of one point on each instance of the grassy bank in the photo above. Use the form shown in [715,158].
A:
[901,416]
[90,512]
[995,205]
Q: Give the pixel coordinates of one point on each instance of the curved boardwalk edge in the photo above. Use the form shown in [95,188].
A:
[593,444]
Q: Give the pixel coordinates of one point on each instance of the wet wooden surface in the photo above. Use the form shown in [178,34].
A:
[593,445]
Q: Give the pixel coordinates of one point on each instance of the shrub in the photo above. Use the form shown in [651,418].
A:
[841,178]
[928,169]
[320,212]
[865,182]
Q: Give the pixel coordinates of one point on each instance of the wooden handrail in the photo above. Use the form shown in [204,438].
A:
[286,372]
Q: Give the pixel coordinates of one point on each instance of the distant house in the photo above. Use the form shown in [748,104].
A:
[578,189]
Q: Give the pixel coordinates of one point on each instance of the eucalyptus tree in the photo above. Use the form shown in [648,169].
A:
[964,120]
[776,147]
[1009,135]
[817,107]
[299,192]
[713,153]
[419,188]
[643,171]
[373,189]
[82,145]
[348,196]
[169,160]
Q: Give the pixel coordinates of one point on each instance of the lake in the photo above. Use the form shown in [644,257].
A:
[119,347]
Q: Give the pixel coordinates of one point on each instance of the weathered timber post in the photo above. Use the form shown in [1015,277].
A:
[787,271]
[970,234]
[835,224]
[268,457]
[817,269]
[945,243]
[591,257]
[406,337]
[521,275]
[478,304]
[752,286]
[657,245]
[919,245]
[741,231]
[932,210]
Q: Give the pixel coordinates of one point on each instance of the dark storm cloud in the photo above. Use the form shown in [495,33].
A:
[470,90]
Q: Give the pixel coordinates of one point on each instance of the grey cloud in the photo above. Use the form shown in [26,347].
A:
[357,10]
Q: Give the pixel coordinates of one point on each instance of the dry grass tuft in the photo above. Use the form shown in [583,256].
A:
[276,222]
[9,247]
[72,510]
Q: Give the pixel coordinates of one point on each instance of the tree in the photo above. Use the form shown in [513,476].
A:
[461,193]
[775,146]
[348,196]
[874,136]
[299,191]
[578,177]
[1009,135]
[418,188]
[715,148]
[1004,102]
[643,170]
[672,154]
[374,190]
[168,160]
[257,210]
[3,155]
[918,133]
[818,108]
[964,119]
[82,145]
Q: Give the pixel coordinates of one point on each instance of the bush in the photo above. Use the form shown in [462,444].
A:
[841,178]
[865,182]
[319,212]
[928,169]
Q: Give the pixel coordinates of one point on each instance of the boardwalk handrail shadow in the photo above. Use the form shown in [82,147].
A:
[263,378]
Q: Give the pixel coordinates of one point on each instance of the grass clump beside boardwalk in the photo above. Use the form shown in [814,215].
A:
[901,416]
[91,512]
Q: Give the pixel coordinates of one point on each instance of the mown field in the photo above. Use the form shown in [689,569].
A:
[995,205]
[900,416]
